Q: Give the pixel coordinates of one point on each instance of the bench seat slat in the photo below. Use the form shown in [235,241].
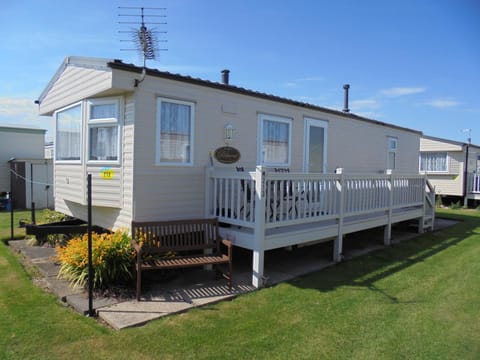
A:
[180,262]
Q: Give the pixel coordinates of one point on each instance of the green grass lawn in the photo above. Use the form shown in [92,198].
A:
[416,300]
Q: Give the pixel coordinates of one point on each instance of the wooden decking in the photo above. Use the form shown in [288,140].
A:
[265,210]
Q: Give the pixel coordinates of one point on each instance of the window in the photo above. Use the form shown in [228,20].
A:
[433,162]
[103,130]
[275,138]
[69,134]
[175,132]
[392,153]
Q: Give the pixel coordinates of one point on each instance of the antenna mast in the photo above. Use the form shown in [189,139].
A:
[144,39]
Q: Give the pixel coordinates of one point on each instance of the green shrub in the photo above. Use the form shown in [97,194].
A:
[456,206]
[112,259]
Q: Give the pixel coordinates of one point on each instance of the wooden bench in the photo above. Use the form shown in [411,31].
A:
[179,244]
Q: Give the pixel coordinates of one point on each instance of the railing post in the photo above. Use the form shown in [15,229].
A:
[421,221]
[208,191]
[258,280]
[338,242]
[387,238]
[432,195]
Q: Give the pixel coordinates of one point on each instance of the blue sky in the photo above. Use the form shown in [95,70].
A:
[410,63]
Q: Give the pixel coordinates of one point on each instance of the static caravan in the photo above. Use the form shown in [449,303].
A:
[452,167]
[17,142]
[162,146]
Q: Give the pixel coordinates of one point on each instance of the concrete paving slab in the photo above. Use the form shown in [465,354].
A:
[135,313]
[80,302]
[47,267]
[62,288]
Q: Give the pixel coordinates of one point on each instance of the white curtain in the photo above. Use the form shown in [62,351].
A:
[175,131]
[434,161]
[104,143]
[275,145]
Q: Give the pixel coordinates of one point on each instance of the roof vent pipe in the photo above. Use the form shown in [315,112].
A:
[345,100]
[225,76]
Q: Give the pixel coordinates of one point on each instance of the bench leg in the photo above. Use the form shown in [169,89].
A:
[139,282]
[230,272]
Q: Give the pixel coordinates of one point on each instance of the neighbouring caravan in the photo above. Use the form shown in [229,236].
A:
[163,146]
[21,156]
[453,167]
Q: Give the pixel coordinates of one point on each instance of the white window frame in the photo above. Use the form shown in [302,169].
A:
[105,122]
[390,150]
[158,129]
[447,162]
[274,118]
[79,161]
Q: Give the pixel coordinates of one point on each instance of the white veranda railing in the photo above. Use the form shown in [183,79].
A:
[295,198]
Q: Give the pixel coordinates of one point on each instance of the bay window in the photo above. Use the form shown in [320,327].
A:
[103,130]
[69,134]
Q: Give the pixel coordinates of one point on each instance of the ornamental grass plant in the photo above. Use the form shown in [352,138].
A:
[112,259]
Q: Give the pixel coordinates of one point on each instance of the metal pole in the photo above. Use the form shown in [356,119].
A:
[31,194]
[466,191]
[91,311]
[10,199]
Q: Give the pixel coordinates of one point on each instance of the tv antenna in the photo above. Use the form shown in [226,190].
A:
[468,133]
[143,38]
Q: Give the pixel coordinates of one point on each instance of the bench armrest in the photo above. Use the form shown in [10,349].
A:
[135,245]
[228,244]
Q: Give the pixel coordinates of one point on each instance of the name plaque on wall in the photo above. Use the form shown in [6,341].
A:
[227,155]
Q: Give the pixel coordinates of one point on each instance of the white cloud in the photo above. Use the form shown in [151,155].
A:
[23,112]
[365,103]
[290,84]
[297,82]
[16,106]
[401,91]
[443,103]
[370,114]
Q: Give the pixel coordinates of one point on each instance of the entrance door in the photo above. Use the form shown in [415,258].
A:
[315,145]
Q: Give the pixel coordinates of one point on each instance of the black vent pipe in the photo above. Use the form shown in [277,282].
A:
[225,76]
[345,100]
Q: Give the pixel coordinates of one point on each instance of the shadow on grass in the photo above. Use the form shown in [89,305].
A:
[366,270]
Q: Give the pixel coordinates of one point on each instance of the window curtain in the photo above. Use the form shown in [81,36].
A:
[69,127]
[175,130]
[275,142]
[104,143]
[433,162]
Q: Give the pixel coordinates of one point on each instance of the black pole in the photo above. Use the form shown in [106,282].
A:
[466,191]
[33,213]
[91,311]
[31,194]
[10,199]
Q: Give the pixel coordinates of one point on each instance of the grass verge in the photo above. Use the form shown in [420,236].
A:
[418,299]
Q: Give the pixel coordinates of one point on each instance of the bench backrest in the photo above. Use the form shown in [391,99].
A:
[176,235]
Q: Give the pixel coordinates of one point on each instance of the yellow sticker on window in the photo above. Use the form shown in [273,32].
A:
[107,173]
